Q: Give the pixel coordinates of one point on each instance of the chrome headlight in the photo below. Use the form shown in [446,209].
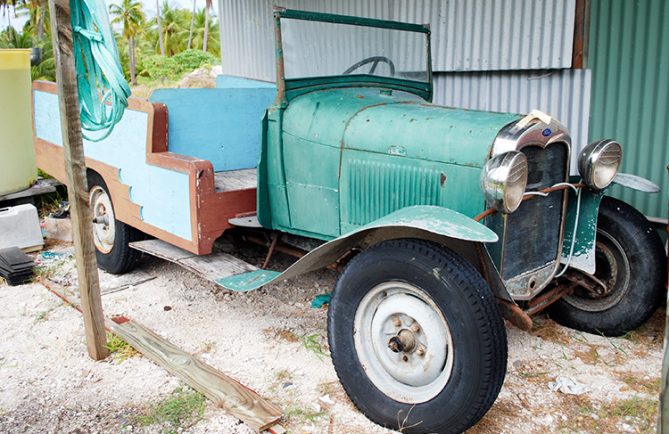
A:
[598,163]
[504,179]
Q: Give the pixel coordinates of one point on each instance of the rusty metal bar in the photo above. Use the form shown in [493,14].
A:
[540,303]
[492,211]
[272,246]
[515,315]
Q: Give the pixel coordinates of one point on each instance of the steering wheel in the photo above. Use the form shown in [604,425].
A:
[374,60]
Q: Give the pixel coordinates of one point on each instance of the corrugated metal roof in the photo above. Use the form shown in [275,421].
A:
[629,56]
[564,94]
[468,35]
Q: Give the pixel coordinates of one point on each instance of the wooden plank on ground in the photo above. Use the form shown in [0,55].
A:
[216,266]
[161,249]
[226,392]
[212,267]
[240,401]
[42,186]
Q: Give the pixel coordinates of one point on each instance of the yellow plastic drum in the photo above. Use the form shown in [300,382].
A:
[17,155]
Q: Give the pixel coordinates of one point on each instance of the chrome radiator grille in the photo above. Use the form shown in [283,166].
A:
[529,237]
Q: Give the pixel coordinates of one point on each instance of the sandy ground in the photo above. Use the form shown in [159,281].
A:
[271,340]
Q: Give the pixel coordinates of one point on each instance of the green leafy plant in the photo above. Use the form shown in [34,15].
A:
[312,343]
[182,409]
[119,349]
[163,68]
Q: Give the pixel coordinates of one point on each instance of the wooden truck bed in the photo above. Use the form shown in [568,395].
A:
[178,166]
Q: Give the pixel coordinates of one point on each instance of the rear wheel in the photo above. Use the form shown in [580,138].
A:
[628,283]
[111,236]
[416,338]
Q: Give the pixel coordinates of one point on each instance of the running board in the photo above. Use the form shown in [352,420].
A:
[221,268]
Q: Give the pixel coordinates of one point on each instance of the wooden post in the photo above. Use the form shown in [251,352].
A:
[663,413]
[663,419]
[77,186]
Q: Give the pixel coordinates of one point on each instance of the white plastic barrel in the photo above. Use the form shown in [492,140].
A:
[17,155]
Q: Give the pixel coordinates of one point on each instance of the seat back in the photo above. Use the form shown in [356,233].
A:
[222,124]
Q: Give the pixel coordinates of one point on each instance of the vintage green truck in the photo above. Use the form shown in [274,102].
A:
[444,220]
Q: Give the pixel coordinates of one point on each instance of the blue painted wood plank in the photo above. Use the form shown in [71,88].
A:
[162,194]
[219,125]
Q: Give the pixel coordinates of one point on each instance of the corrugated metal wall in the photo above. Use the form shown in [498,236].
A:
[564,94]
[629,57]
[489,35]
[468,35]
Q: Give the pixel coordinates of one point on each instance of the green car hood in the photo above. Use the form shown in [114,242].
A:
[397,123]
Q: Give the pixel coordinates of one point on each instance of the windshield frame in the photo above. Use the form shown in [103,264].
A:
[287,89]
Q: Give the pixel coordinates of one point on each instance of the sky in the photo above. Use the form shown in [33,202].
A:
[149,9]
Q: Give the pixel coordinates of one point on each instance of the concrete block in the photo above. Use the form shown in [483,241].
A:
[19,227]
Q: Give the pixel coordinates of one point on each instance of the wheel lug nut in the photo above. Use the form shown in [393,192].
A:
[395,345]
[405,358]
[420,351]
[397,321]
[415,327]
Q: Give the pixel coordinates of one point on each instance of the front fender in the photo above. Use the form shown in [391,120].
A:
[415,221]
[636,182]
[583,257]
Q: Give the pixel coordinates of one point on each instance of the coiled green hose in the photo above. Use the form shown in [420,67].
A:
[103,90]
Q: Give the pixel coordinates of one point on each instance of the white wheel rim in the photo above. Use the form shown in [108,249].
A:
[103,219]
[415,373]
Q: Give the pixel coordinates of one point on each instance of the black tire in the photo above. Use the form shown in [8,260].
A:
[470,310]
[121,258]
[628,242]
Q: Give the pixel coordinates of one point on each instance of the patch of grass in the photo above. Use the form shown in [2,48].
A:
[312,343]
[533,372]
[182,409]
[284,375]
[584,415]
[42,316]
[48,203]
[589,355]
[287,335]
[637,383]
[298,414]
[119,349]
[641,411]
[548,330]
[283,334]
[500,415]
[48,271]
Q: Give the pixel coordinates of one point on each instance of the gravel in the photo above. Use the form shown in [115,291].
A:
[49,384]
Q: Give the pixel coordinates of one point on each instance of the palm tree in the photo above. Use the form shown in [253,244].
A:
[36,11]
[174,28]
[130,14]
[192,24]
[11,38]
[205,33]
[208,4]
[160,28]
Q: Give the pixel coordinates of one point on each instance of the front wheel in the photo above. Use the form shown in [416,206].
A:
[416,338]
[628,283]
